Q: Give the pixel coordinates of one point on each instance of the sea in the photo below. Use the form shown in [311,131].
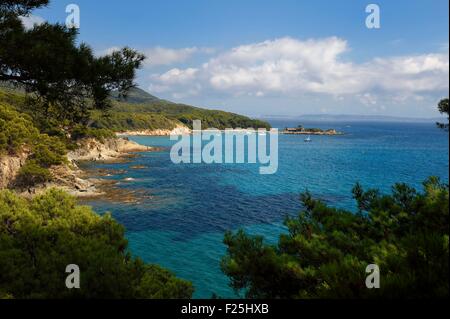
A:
[180,212]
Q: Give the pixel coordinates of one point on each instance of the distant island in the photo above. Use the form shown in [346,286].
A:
[300,130]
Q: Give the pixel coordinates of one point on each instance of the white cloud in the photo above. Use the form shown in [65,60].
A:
[175,76]
[31,20]
[166,56]
[294,67]
[160,56]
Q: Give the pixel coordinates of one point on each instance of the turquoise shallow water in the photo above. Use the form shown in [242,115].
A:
[185,209]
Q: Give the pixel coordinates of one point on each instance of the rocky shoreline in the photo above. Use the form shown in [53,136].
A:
[69,176]
[179,130]
[77,182]
[108,150]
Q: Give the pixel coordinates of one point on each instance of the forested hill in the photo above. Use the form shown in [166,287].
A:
[136,96]
[142,110]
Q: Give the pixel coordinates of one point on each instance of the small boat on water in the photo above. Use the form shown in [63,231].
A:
[308,139]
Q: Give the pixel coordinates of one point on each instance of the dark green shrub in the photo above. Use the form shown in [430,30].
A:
[16,130]
[159,283]
[48,151]
[326,250]
[39,238]
[32,174]
[81,131]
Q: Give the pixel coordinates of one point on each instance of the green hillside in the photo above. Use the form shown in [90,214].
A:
[161,114]
[136,95]
[142,110]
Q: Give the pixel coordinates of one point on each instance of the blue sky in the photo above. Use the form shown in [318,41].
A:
[286,57]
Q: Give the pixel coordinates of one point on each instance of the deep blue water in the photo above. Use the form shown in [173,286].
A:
[184,209]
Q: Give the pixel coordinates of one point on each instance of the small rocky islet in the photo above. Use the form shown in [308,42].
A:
[300,130]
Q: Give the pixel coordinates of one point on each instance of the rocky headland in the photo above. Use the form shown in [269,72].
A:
[70,176]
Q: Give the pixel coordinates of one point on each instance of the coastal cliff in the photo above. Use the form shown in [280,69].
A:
[108,150]
[69,176]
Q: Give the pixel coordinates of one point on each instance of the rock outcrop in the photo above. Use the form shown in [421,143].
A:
[109,150]
[296,131]
[69,179]
[68,176]
[10,166]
